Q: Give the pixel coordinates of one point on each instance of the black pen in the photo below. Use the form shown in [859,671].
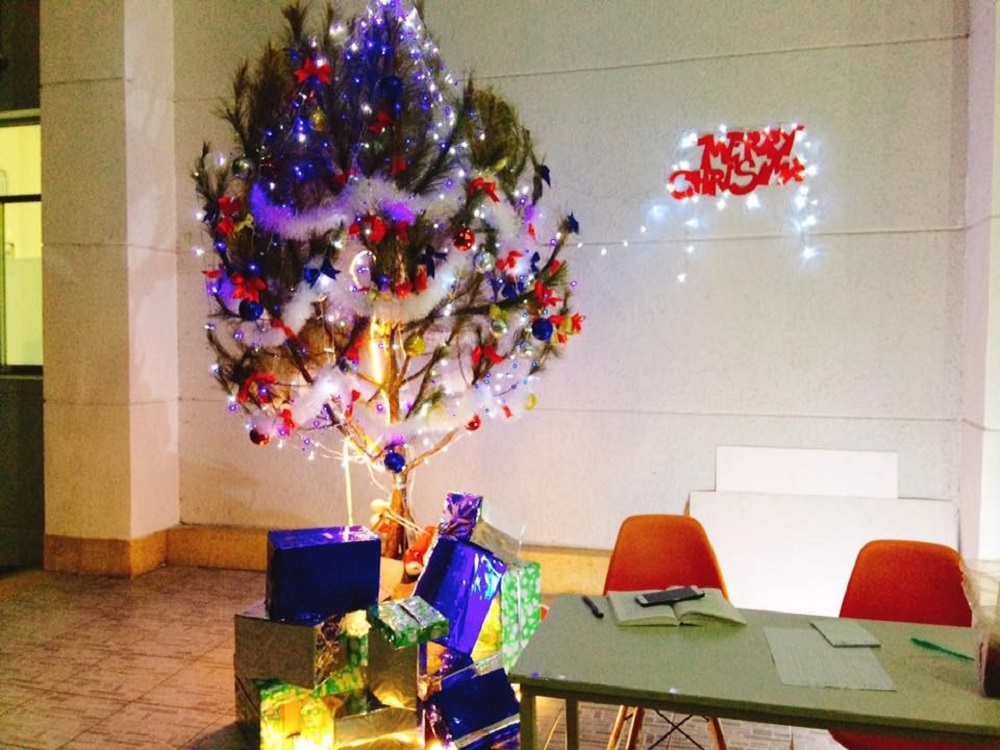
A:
[593,607]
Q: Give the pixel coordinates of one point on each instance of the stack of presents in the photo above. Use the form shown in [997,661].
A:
[323,663]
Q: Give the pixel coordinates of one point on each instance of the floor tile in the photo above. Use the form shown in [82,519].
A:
[91,663]
[52,719]
[144,726]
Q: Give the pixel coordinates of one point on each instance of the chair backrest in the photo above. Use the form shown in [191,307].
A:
[660,550]
[906,581]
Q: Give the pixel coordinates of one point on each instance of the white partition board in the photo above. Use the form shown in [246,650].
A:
[806,471]
[795,553]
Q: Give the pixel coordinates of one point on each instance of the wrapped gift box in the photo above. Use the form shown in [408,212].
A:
[315,573]
[520,608]
[468,518]
[380,728]
[475,713]
[392,672]
[273,712]
[460,580]
[398,627]
[440,667]
[303,655]
[407,622]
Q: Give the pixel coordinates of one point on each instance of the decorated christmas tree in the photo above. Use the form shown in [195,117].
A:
[386,276]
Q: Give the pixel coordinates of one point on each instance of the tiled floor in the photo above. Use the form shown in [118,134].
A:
[91,663]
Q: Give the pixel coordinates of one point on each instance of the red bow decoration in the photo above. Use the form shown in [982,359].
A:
[228,207]
[355,395]
[507,412]
[490,188]
[565,327]
[403,289]
[545,295]
[510,261]
[489,352]
[474,424]
[255,387]
[343,177]
[421,281]
[287,424]
[383,120]
[310,68]
[248,288]
[353,352]
[401,229]
[399,164]
[372,225]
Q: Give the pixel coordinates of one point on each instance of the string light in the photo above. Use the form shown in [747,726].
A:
[801,210]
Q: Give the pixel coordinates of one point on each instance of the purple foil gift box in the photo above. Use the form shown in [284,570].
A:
[460,581]
[315,573]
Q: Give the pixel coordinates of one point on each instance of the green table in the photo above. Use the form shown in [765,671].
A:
[727,671]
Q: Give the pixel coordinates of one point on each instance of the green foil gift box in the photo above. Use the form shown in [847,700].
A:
[300,654]
[520,608]
[407,622]
[280,716]
[398,628]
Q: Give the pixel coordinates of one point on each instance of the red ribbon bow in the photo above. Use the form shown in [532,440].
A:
[399,164]
[355,395]
[545,295]
[490,188]
[310,68]
[489,352]
[510,261]
[286,424]
[228,207]
[258,382]
[248,288]
[373,225]
[382,121]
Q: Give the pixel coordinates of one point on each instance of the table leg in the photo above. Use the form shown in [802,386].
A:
[572,725]
[528,720]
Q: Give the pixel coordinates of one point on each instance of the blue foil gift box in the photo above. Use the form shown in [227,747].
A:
[460,580]
[475,713]
[315,573]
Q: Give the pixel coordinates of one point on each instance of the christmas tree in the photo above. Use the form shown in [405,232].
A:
[385,268]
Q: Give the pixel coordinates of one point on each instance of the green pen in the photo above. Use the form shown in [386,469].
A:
[939,648]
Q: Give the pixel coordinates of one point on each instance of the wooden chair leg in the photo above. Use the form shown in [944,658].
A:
[635,729]
[616,729]
[716,728]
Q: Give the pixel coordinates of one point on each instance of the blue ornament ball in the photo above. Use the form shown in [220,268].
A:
[250,310]
[391,87]
[541,329]
[394,462]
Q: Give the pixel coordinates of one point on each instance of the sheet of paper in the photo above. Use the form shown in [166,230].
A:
[803,657]
[844,633]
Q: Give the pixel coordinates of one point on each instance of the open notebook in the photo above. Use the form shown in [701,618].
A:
[713,607]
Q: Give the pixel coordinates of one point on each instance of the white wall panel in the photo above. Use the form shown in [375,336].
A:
[858,349]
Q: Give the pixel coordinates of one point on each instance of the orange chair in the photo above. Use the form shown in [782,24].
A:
[654,552]
[904,581]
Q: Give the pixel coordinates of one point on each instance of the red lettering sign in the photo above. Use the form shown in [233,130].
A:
[740,162]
